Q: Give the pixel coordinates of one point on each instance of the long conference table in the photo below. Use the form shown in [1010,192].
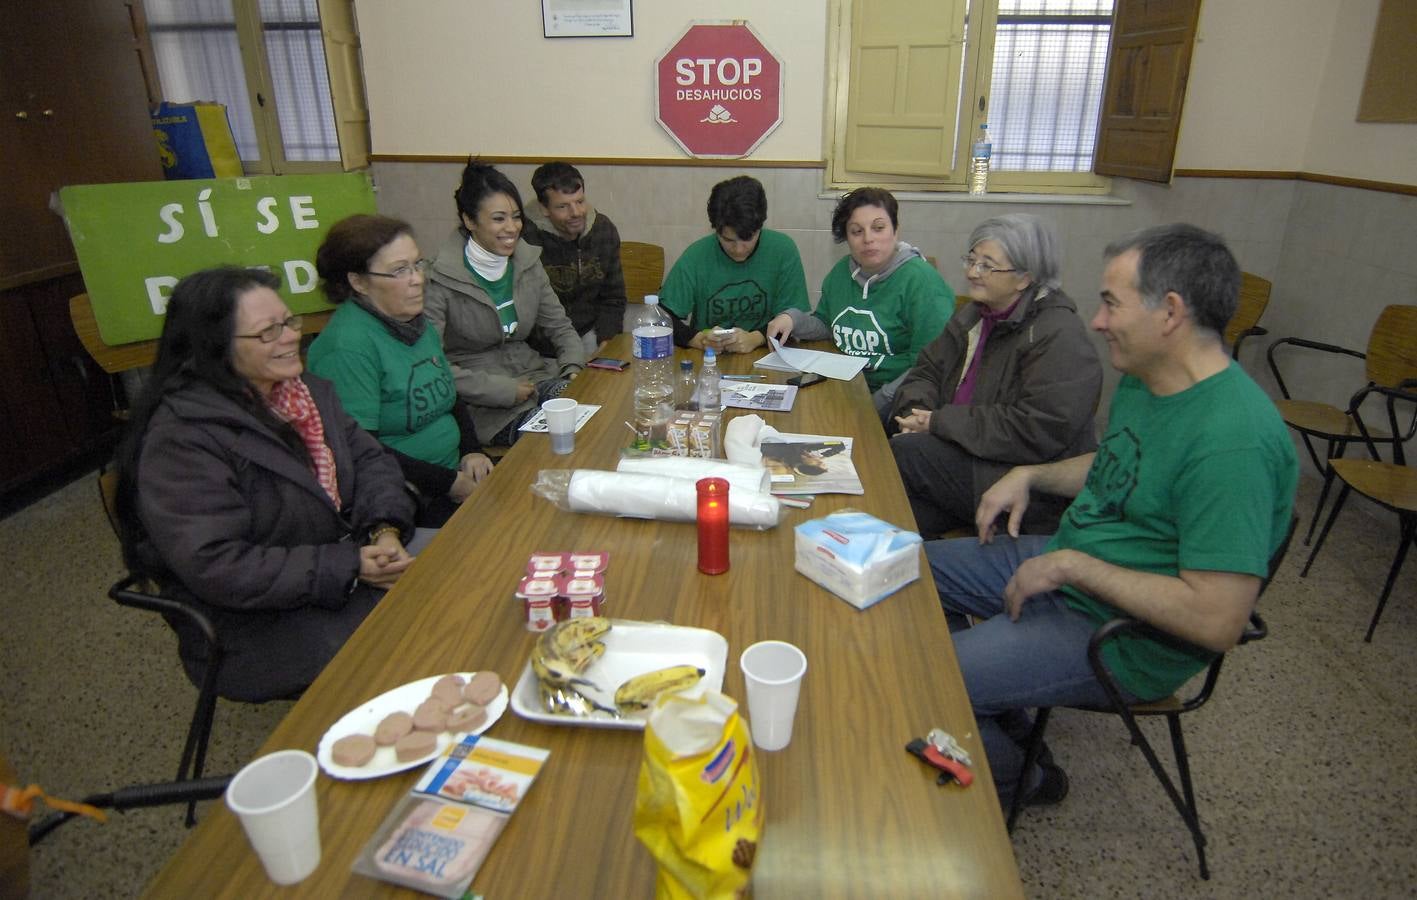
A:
[849,812]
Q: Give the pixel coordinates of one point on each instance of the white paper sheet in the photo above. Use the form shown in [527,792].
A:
[537,422]
[795,359]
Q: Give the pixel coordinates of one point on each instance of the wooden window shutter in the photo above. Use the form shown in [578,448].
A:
[1146,85]
[341,40]
[904,96]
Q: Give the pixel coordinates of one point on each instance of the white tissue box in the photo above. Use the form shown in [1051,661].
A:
[857,556]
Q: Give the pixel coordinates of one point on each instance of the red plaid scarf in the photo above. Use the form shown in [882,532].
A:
[291,400]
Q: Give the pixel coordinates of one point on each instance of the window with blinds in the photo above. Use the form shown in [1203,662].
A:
[264,60]
[1050,62]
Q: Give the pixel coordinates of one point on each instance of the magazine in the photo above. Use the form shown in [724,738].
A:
[758,396]
[810,464]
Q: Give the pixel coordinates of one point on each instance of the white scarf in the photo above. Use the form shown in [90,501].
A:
[484,262]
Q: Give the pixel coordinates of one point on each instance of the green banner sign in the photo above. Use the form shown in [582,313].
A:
[136,240]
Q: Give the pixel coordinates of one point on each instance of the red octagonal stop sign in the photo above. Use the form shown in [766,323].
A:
[719,90]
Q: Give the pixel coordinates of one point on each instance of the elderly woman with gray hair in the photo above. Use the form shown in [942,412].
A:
[1013,379]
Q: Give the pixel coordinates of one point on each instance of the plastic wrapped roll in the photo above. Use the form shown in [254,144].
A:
[661,497]
[741,478]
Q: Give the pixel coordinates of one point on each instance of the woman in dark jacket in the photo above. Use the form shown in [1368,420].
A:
[1013,379]
[246,490]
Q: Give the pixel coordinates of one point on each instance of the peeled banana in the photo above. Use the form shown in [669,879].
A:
[560,656]
[640,692]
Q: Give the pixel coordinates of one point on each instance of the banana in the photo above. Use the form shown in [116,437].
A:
[553,672]
[573,633]
[579,658]
[639,693]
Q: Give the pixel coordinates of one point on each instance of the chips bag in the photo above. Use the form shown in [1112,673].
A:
[699,807]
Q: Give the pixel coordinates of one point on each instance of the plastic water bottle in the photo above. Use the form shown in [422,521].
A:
[979,162]
[688,383]
[654,372]
[708,382]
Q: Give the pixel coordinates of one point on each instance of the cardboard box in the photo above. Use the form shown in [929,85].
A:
[857,556]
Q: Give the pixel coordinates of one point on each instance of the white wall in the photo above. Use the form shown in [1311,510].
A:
[477,76]
[1255,72]
[1338,145]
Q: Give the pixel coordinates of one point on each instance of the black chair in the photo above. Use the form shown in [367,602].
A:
[187,791]
[1171,707]
[129,592]
[138,593]
[1392,485]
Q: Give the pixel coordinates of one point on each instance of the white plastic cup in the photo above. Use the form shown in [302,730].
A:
[561,423]
[274,797]
[772,671]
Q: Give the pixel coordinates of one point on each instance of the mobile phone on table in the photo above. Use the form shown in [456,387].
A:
[804,379]
[605,362]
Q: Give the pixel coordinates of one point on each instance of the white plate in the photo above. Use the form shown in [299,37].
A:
[631,648]
[364,718]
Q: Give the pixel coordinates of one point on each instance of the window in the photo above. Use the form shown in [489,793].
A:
[280,75]
[913,83]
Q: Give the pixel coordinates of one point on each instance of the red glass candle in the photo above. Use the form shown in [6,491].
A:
[713,525]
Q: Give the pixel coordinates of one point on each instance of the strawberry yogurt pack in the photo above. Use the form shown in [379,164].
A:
[559,586]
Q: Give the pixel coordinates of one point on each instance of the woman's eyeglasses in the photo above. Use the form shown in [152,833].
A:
[271,333]
[405,271]
[972,263]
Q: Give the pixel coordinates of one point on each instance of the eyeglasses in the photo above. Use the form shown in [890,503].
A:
[972,262]
[405,271]
[271,333]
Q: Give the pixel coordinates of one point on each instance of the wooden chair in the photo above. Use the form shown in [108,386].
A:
[1172,708]
[1254,297]
[139,593]
[643,265]
[1391,359]
[1392,485]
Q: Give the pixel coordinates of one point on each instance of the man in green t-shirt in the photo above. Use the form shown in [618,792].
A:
[726,287]
[1174,519]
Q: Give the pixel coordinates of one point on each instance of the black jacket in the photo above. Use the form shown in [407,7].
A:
[237,523]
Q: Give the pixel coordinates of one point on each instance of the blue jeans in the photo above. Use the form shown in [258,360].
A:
[1011,667]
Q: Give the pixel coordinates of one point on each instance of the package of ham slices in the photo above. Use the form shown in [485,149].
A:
[436,838]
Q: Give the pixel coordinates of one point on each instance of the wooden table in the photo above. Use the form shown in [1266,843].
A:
[849,812]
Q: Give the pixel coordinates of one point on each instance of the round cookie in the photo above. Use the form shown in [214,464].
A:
[415,744]
[483,688]
[392,727]
[467,718]
[353,750]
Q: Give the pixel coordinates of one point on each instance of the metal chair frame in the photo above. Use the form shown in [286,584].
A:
[1407,520]
[1172,708]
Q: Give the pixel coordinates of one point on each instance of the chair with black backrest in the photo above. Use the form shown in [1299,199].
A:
[1172,708]
[1392,485]
[1390,360]
[138,593]
[1254,298]
[643,265]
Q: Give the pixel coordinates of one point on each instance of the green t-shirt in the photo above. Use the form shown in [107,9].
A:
[501,293]
[402,394]
[892,323]
[1201,480]
[706,288]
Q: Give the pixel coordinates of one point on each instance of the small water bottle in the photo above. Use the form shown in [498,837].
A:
[979,162]
[708,382]
[687,384]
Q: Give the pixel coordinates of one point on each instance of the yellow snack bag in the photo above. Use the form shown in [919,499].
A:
[699,806]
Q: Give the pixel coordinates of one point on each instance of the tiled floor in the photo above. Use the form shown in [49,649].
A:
[1305,762]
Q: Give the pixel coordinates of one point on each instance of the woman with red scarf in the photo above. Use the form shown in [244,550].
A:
[246,490]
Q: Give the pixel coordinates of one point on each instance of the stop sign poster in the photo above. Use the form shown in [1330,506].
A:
[719,90]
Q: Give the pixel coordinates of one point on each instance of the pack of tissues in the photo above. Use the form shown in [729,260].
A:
[857,556]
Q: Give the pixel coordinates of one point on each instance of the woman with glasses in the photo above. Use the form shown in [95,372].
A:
[1013,379]
[486,291]
[387,364]
[882,301]
[245,489]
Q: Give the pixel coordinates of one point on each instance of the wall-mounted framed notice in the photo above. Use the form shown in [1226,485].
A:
[587,18]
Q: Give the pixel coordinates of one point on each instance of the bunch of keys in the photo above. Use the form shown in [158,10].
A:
[940,750]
